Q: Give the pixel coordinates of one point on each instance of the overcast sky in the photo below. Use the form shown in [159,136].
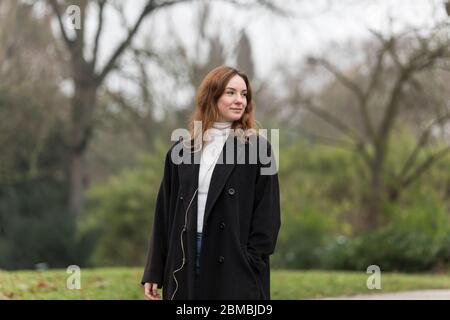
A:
[316,25]
[277,39]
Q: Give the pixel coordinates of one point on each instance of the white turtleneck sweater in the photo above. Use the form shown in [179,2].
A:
[211,151]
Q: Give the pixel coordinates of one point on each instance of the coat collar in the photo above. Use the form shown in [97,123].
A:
[189,175]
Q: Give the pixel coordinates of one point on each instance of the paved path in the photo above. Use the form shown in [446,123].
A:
[404,295]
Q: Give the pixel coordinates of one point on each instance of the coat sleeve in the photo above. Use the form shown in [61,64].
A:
[157,249]
[266,220]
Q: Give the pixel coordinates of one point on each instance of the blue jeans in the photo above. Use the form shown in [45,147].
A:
[199,247]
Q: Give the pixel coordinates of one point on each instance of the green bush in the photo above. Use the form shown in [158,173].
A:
[391,249]
[120,212]
[36,227]
[321,189]
[300,240]
[416,240]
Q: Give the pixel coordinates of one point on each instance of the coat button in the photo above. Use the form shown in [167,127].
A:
[181,197]
[222,226]
[221,259]
[231,191]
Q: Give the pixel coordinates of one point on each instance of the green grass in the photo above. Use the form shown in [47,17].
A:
[123,283]
[319,284]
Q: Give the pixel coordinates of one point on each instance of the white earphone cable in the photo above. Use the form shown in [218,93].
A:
[184,230]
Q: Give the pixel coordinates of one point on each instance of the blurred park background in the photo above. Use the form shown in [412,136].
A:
[358,88]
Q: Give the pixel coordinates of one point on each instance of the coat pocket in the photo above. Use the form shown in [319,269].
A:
[252,269]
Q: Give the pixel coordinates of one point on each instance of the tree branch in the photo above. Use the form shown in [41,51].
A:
[101,5]
[424,166]
[69,42]
[421,142]
[419,61]
[364,100]
[389,46]
[150,6]
[263,3]
[353,87]
[362,97]
[327,140]
[391,109]
[328,117]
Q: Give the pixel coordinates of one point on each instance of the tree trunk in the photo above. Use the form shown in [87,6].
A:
[83,106]
[374,197]
[373,204]
[77,173]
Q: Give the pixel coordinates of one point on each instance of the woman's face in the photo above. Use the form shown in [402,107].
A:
[233,101]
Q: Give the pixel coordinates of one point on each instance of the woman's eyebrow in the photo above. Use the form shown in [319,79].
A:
[234,89]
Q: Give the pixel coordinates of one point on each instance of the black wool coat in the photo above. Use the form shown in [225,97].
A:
[240,229]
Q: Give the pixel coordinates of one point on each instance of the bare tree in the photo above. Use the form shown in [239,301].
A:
[88,76]
[393,72]
[185,69]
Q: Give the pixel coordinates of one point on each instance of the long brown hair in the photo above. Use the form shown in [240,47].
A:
[210,90]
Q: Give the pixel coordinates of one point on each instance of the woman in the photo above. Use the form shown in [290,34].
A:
[217,215]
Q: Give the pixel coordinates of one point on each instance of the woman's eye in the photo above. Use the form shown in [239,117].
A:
[233,93]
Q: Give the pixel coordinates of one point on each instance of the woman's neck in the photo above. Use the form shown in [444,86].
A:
[222,124]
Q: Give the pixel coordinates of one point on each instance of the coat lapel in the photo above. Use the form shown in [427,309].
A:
[189,176]
[221,173]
